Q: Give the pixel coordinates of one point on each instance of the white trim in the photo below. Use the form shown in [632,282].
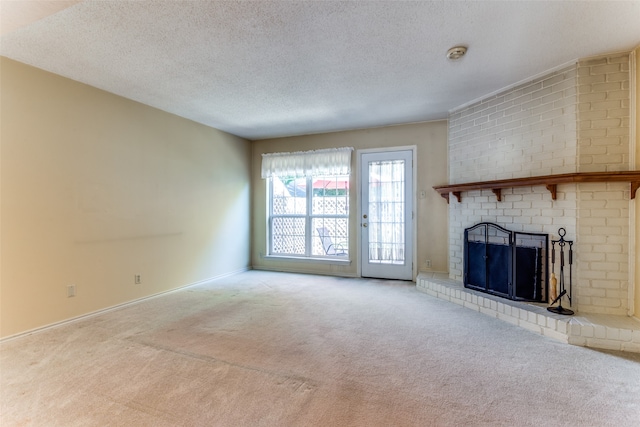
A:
[633,230]
[311,260]
[414,216]
[535,77]
[632,110]
[511,86]
[119,306]
[358,206]
[269,204]
[632,259]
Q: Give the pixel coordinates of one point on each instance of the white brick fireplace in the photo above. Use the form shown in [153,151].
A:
[572,120]
[575,119]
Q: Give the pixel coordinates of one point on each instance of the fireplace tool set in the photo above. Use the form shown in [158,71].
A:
[558,284]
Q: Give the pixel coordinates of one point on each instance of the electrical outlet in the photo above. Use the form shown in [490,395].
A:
[137,279]
[427,263]
[71,291]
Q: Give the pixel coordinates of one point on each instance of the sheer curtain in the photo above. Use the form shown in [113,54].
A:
[331,161]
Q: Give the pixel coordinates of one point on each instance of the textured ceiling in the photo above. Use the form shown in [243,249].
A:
[277,68]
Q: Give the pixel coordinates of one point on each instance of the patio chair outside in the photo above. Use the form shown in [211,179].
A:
[327,243]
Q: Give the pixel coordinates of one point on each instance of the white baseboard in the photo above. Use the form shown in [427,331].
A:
[119,306]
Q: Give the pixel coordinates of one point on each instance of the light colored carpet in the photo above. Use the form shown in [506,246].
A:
[276,349]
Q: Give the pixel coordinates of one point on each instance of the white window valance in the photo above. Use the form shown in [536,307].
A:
[331,161]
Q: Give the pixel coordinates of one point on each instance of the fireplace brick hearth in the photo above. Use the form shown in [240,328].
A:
[608,332]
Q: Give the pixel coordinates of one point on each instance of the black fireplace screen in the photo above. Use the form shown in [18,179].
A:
[507,263]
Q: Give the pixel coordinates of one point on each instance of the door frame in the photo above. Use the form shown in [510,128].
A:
[414,242]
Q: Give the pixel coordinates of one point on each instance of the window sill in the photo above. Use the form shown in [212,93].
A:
[337,261]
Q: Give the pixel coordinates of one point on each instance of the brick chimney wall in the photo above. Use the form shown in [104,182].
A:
[575,119]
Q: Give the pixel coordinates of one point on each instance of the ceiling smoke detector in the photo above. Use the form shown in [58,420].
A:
[456,52]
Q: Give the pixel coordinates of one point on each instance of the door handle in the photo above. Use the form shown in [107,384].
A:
[364,224]
[364,216]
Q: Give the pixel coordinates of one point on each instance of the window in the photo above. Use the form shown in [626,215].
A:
[309,216]
[308,203]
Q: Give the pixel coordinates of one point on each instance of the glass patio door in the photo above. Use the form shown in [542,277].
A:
[386,214]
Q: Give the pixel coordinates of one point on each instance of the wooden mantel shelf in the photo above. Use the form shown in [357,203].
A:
[549,181]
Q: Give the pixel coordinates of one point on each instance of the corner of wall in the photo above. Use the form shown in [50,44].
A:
[635,147]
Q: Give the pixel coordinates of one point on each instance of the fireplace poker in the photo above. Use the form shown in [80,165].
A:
[570,264]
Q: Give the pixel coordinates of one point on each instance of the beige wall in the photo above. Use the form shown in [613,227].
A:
[96,188]
[430,138]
